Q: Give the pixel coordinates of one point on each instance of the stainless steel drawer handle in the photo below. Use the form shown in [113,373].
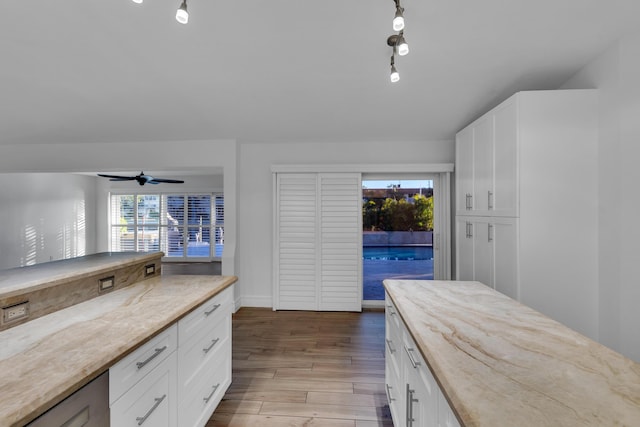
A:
[208,398]
[391,310]
[413,361]
[158,400]
[391,349]
[215,307]
[389,398]
[150,358]
[213,342]
[410,401]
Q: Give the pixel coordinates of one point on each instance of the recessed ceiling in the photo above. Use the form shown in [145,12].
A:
[283,70]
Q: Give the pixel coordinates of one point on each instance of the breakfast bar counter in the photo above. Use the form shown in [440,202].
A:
[47,359]
[500,363]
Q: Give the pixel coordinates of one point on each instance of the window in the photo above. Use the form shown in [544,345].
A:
[180,225]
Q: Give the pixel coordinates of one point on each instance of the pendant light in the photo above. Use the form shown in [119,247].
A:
[398,20]
[182,16]
[401,43]
[394,76]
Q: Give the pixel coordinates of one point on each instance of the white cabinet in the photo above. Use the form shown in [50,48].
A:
[142,386]
[415,398]
[487,252]
[204,359]
[151,401]
[178,377]
[532,160]
[486,167]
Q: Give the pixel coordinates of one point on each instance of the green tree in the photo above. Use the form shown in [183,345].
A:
[423,217]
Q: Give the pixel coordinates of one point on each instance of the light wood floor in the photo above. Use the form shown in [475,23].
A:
[311,369]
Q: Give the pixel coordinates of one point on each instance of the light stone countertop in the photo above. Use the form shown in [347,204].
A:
[47,359]
[18,280]
[500,363]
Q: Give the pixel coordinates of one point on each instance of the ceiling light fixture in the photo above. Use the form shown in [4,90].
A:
[398,20]
[182,16]
[394,76]
[397,41]
[137,1]
[401,44]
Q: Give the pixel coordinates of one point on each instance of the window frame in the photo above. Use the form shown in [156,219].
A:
[215,226]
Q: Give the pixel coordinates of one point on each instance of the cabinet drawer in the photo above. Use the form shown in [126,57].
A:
[416,365]
[195,355]
[206,315]
[127,372]
[391,314]
[152,401]
[200,401]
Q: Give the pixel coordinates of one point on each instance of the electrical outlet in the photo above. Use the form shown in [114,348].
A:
[15,312]
[106,283]
[149,270]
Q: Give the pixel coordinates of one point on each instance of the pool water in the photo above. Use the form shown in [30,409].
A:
[398,253]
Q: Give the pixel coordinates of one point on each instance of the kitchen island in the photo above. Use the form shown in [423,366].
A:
[47,359]
[500,363]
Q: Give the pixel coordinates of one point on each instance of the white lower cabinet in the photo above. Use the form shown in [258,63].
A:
[414,397]
[179,377]
[151,401]
[204,359]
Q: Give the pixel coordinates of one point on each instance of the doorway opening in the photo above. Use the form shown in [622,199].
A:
[398,230]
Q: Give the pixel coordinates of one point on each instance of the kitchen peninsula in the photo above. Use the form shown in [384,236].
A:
[496,362]
[45,360]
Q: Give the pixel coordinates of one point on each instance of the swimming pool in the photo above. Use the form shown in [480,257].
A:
[398,253]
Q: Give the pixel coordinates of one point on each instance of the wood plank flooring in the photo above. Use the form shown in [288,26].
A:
[311,369]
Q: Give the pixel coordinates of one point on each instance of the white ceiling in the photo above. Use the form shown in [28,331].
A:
[282,70]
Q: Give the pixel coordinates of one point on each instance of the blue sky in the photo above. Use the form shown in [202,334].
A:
[404,183]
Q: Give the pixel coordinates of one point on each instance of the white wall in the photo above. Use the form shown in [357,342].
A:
[46,216]
[616,73]
[255,191]
[204,157]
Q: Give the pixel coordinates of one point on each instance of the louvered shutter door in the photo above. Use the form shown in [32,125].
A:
[340,242]
[318,242]
[296,242]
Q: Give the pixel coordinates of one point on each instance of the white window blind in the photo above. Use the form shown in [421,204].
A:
[189,226]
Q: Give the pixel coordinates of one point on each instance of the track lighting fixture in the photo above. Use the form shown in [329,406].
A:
[398,20]
[182,16]
[397,41]
[394,76]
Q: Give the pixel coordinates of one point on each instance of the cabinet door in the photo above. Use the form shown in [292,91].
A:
[483,250]
[504,201]
[482,165]
[464,248]
[505,266]
[421,390]
[464,171]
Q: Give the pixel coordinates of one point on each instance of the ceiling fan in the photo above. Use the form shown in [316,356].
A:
[142,179]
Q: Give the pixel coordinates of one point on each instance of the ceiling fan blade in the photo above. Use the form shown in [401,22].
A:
[118,177]
[121,179]
[169,181]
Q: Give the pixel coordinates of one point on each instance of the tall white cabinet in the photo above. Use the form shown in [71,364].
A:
[526,203]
